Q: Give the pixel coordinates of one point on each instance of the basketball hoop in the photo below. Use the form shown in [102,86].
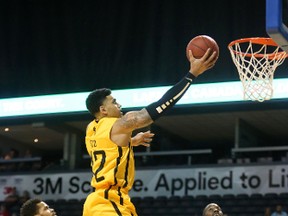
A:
[256,60]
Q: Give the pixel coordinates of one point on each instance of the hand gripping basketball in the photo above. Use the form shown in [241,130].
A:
[199,45]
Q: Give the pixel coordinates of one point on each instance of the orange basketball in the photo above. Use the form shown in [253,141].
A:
[199,45]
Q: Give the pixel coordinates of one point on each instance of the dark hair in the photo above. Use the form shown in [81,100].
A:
[30,208]
[95,99]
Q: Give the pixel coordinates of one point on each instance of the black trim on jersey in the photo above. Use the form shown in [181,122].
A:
[106,192]
[120,152]
[127,167]
[116,208]
[120,195]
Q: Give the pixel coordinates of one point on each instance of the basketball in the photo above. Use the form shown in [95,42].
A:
[199,45]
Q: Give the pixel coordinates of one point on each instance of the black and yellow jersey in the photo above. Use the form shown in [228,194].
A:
[112,165]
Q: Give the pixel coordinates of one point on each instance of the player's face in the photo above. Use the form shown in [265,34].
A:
[44,210]
[112,107]
[213,210]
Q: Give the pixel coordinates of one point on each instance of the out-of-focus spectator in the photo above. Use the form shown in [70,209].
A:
[12,199]
[279,211]
[13,153]
[267,211]
[26,165]
[3,210]
[27,154]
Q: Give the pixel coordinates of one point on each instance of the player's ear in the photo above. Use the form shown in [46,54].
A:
[103,109]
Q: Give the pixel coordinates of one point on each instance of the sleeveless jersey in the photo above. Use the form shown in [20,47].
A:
[112,166]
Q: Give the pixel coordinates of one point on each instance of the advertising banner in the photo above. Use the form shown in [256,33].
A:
[157,182]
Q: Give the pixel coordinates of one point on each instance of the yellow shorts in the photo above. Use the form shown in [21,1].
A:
[97,205]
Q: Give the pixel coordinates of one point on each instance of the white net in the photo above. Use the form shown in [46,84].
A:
[256,64]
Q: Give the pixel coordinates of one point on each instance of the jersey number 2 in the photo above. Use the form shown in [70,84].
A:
[97,154]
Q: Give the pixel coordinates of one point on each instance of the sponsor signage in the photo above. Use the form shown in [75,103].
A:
[157,182]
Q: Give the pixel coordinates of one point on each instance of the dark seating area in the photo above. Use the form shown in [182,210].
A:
[232,205]
[70,207]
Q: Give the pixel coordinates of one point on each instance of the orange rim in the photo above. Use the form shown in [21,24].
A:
[257,40]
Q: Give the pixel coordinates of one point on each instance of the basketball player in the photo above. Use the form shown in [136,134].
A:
[36,207]
[109,143]
[212,209]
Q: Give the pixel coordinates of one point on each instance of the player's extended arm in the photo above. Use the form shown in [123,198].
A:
[139,119]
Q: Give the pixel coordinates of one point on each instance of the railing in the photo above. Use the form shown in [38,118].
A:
[17,160]
[260,149]
[189,153]
[20,164]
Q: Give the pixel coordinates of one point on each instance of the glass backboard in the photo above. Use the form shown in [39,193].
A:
[277,22]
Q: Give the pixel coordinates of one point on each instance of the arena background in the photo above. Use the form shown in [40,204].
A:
[49,47]
[52,47]
[62,46]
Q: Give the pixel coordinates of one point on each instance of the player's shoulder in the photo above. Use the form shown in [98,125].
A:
[91,125]
[107,120]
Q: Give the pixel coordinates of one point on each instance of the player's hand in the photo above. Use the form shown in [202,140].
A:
[142,138]
[198,66]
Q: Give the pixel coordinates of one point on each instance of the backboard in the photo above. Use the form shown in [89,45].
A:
[277,22]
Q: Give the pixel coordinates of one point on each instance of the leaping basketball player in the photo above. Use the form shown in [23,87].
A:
[110,146]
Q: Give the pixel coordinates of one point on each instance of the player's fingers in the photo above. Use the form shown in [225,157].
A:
[147,140]
[207,54]
[210,66]
[214,56]
[148,134]
[212,59]
[191,57]
[145,144]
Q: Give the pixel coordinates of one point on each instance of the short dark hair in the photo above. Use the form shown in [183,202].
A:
[30,208]
[95,99]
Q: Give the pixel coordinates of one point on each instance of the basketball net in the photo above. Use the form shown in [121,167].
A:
[256,60]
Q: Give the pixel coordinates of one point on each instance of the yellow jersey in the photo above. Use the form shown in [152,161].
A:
[112,167]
